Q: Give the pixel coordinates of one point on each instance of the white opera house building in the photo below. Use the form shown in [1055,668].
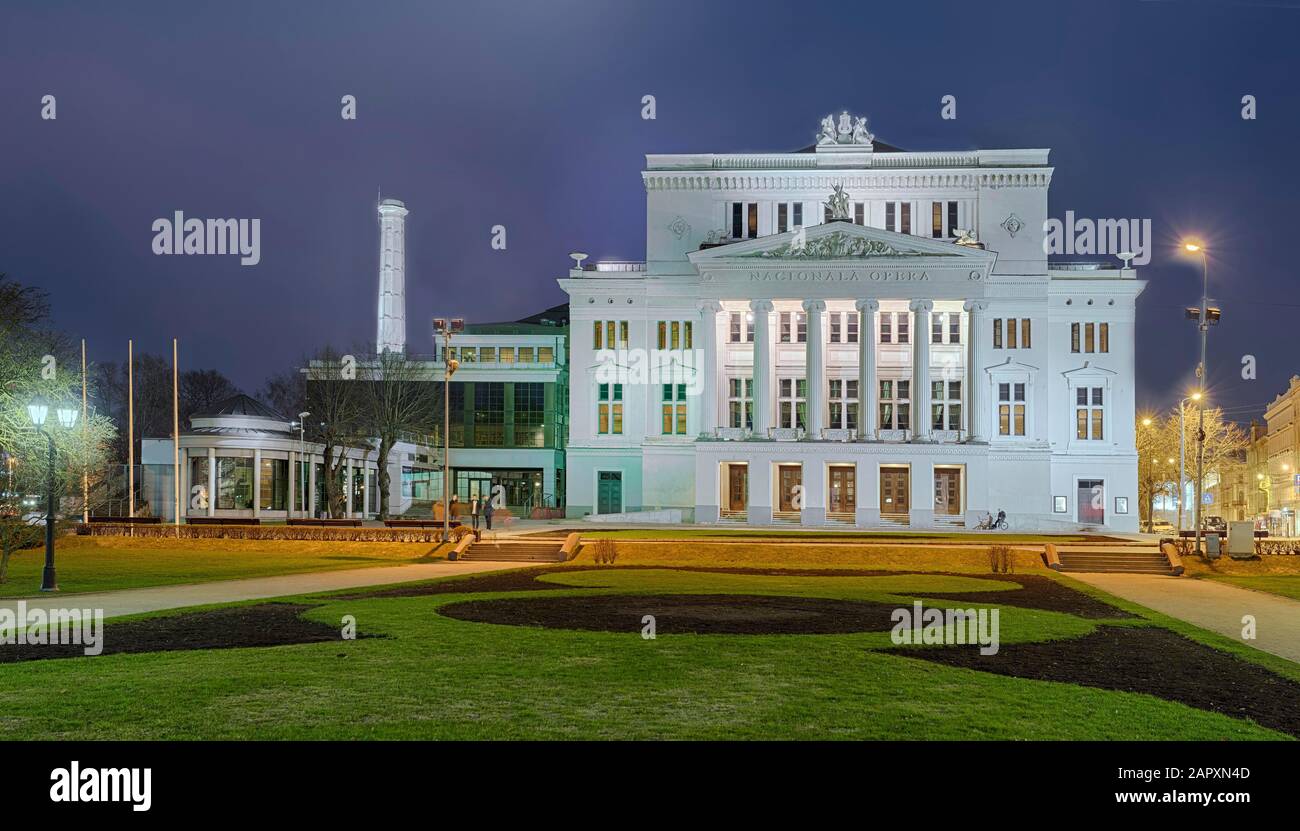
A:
[852,335]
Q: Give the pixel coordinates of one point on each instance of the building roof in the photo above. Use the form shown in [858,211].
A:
[543,323]
[241,405]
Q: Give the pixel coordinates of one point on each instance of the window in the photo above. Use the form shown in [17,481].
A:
[1011,409]
[1088,413]
[609,334]
[199,483]
[526,355]
[859,213]
[886,327]
[954,327]
[234,483]
[843,401]
[675,334]
[1011,333]
[836,323]
[546,354]
[789,215]
[273,490]
[939,211]
[945,410]
[793,325]
[744,220]
[740,403]
[487,354]
[1024,333]
[937,327]
[741,328]
[674,409]
[895,405]
[490,414]
[903,321]
[1096,337]
[530,415]
[609,409]
[506,355]
[851,327]
[792,402]
[997,333]
[468,354]
[898,217]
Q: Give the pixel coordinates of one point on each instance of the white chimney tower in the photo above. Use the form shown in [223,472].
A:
[392,277]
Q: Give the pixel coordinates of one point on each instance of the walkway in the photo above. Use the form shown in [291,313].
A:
[1211,605]
[137,601]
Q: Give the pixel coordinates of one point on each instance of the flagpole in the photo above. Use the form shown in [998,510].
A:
[176,433]
[85,449]
[130,427]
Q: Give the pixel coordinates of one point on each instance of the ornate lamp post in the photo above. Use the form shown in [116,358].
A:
[38,411]
[1204,316]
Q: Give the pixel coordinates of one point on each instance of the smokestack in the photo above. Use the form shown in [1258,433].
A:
[392,277]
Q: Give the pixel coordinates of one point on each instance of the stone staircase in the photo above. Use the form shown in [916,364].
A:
[1114,559]
[515,550]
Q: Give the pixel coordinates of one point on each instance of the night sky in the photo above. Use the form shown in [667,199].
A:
[527,114]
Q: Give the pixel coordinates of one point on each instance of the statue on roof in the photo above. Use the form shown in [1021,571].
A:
[828,134]
[849,131]
[838,203]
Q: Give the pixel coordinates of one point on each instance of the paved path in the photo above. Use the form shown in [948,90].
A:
[136,601]
[1211,605]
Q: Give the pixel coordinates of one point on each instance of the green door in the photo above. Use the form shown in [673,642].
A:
[609,492]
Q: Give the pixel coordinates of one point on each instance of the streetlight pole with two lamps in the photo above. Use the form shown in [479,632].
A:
[38,411]
[446,328]
[1204,317]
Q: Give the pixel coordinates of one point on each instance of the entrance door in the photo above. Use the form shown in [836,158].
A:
[1091,496]
[844,497]
[790,480]
[947,491]
[895,490]
[737,487]
[609,492]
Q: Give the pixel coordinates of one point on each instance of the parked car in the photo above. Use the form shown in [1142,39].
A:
[1162,526]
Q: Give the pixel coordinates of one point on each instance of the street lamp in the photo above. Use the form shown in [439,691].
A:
[1204,316]
[38,411]
[446,328]
[301,424]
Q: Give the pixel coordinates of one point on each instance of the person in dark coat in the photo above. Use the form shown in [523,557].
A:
[487,512]
[475,506]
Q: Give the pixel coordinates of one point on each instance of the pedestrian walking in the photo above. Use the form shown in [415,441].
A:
[487,513]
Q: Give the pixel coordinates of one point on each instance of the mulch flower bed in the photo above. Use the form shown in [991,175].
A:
[696,614]
[1141,659]
[263,624]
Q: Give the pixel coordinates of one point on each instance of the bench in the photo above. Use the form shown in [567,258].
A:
[222,520]
[326,523]
[128,520]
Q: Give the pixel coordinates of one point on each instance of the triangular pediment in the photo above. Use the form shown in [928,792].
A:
[840,243]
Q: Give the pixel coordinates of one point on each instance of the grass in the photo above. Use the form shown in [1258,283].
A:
[1275,573]
[832,536]
[434,677]
[88,564]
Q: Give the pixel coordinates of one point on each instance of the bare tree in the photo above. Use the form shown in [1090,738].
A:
[337,405]
[399,398]
[201,390]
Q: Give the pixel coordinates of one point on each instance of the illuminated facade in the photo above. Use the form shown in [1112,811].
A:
[852,334]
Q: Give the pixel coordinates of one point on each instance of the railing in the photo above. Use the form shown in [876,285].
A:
[839,434]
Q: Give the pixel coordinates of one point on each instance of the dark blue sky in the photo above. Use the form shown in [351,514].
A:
[527,114]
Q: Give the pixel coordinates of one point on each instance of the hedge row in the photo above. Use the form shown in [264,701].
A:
[262,532]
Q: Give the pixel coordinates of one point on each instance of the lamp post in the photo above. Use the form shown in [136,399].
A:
[1204,315]
[38,411]
[1182,456]
[446,328]
[301,424]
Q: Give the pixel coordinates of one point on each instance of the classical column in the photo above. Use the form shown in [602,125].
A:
[867,367]
[815,367]
[347,490]
[257,481]
[212,481]
[763,398]
[293,483]
[707,369]
[921,368]
[365,490]
[311,485]
[974,405]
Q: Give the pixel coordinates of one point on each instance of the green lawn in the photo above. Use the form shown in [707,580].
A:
[86,564]
[1285,585]
[434,677]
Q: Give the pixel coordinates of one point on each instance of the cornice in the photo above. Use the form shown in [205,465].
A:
[822,180]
